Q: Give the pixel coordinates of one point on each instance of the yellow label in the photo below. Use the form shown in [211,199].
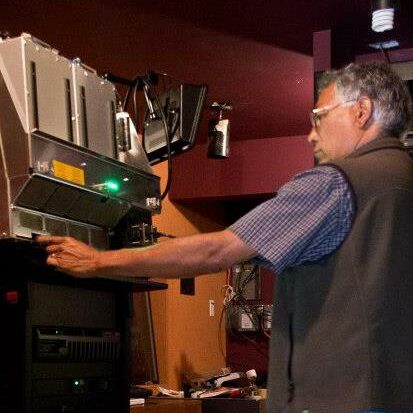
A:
[68,172]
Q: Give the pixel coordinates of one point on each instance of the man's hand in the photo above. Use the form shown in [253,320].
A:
[70,255]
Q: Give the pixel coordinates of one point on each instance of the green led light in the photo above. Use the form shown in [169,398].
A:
[76,382]
[112,185]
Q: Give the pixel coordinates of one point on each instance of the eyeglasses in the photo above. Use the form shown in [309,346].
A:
[317,113]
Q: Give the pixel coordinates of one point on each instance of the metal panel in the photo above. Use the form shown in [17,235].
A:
[37,78]
[60,98]
[12,71]
[27,222]
[49,100]
[136,187]
[71,202]
[95,111]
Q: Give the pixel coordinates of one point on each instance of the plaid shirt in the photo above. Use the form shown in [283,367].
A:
[308,218]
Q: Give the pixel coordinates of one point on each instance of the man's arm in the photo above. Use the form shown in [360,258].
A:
[180,257]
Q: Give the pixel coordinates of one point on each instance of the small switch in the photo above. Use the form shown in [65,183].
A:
[12,297]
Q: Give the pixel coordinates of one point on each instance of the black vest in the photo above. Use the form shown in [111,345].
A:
[342,333]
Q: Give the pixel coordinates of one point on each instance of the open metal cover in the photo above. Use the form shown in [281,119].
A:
[59,154]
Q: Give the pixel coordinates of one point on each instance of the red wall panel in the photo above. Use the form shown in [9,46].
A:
[255,168]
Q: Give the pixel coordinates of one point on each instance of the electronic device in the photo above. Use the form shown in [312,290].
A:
[65,345]
[65,170]
[181,107]
[218,131]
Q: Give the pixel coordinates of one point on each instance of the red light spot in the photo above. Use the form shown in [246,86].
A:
[12,297]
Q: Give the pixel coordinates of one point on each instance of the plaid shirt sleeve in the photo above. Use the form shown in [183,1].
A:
[308,219]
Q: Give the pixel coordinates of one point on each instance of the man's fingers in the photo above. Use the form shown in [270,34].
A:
[51,260]
[49,239]
[53,249]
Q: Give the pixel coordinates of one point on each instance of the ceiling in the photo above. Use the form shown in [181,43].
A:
[289,23]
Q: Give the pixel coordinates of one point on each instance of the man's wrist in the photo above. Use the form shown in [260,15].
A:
[101,262]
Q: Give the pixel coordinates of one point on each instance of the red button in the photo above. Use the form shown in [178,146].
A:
[12,297]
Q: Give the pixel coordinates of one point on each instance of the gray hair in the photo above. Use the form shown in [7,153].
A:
[388,92]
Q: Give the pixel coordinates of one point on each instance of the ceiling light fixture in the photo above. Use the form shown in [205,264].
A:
[382,15]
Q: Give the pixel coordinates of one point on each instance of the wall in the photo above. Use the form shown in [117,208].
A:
[188,340]
[255,168]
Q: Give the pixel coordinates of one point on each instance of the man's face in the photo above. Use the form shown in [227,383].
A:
[334,136]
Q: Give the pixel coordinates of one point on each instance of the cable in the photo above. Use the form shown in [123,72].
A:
[251,341]
[385,54]
[167,138]
[237,306]
[119,99]
[135,81]
[135,106]
[133,87]
[158,234]
[220,341]
[229,295]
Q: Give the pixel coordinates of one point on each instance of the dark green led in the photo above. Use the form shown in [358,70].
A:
[112,186]
[79,386]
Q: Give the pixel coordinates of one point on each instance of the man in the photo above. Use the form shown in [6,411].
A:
[340,237]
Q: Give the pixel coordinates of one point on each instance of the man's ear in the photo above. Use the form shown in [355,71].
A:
[363,112]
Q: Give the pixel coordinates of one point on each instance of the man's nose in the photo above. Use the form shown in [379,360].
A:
[312,136]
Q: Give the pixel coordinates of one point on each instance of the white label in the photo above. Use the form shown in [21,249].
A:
[211,308]
[246,322]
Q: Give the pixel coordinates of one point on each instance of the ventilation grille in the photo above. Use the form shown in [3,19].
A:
[60,346]
[93,350]
[27,223]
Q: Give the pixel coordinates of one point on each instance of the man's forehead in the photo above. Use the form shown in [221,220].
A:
[327,95]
